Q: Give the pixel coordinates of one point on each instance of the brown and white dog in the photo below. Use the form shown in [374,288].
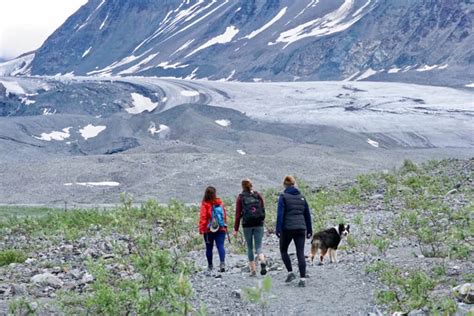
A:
[327,241]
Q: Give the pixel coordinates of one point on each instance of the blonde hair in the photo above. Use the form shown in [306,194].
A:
[289,181]
[247,185]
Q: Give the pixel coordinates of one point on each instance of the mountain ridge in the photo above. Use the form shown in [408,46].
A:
[275,40]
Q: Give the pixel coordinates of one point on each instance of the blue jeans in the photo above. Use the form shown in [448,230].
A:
[210,239]
[253,235]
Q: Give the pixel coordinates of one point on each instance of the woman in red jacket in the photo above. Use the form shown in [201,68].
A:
[212,204]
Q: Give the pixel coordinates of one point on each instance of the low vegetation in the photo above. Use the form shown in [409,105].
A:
[12,256]
[428,204]
[407,290]
[261,294]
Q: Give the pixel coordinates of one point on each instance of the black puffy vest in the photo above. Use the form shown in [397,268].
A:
[293,218]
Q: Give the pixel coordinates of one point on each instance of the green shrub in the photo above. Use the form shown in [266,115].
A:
[381,244]
[366,183]
[260,294]
[408,166]
[21,307]
[407,290]
[12,256]
[158,286]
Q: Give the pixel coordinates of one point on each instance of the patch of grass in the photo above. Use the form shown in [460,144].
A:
[21,306]
[408,290]
[24,211]
[12,256]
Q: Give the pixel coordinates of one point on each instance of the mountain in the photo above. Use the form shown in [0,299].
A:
[423,41]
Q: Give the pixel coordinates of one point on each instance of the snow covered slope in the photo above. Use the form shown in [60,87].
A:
[129,111]
[18,66]
[279,40]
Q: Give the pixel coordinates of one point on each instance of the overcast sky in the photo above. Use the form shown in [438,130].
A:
[25,24]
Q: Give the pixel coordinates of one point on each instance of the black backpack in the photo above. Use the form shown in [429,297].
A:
[253,213]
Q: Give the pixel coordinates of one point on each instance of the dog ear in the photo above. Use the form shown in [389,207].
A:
[348,227]
[341,228]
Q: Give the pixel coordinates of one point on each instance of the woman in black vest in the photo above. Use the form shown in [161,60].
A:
[251,209]
[293,223]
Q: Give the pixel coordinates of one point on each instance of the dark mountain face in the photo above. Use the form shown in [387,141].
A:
[422,41]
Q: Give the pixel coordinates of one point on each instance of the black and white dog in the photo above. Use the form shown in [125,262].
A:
[327,241]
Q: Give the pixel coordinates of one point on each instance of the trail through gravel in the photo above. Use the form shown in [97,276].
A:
[332,289]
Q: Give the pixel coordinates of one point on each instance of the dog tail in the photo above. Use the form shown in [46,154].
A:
[314,248]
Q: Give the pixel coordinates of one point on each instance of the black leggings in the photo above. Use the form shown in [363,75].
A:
[285,239]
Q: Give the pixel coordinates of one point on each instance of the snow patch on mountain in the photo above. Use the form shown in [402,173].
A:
[168,65]
[334,22]
[12,87]
[91,131]
[94,184]
[190,93]
[312,4]
[163,130]
[86,52]
[17,66]
[104,22]
[141,104]
[48,111]
[426,68]
[55,135]
[108,70]
[226,37]
[184,46]
[266,26]
[368,73]
[223,123]
[139,66]
[27,101]
[373,143]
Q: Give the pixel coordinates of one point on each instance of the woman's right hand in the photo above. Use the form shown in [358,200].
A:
[235,234]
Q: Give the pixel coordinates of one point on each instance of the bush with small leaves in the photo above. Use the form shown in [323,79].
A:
[407,290]
[260,294]
[8,256]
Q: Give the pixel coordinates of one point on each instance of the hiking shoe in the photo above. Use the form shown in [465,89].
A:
[291,276]
[208,272]
[302,283]
[263,267]
[222,267]
[253,274]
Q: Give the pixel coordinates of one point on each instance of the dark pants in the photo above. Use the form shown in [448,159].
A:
[285,239]
[210,239]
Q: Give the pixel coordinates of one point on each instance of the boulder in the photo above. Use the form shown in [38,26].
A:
[47,279]
[464,293]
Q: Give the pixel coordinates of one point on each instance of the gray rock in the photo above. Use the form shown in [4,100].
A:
[418,312]
[30,261]
[237,294]
[5,289]
[87,278]
[464,293]
[47,279]
[19,289]
[76,273]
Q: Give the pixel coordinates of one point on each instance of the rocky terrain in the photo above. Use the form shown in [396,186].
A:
[425,42]
[86,140]
[62,263]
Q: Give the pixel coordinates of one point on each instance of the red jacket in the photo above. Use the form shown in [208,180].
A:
[206,215]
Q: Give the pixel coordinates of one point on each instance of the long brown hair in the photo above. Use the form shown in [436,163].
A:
[210,194]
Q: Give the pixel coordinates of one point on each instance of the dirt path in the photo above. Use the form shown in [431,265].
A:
[332,289]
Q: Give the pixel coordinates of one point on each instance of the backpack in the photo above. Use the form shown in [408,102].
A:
[217,218]
[253,213]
